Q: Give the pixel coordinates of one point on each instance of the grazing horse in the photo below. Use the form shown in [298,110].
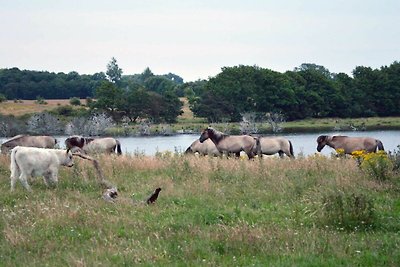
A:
[349,144]
[91,145]
[273,145]
[227,144]
[205,148]
[42,141]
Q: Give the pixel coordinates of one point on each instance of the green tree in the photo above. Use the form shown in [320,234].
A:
[109,99]
[114,72]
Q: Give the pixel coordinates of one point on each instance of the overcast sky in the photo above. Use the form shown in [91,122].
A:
[194,39]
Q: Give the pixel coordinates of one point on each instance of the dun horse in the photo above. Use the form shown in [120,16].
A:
[349,144]
[94,145]
[227,144]
[273,145]
[205,148]
[42,141]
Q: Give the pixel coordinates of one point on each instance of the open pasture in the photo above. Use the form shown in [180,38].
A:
[314,211]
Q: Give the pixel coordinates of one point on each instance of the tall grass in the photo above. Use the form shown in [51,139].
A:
[210,211]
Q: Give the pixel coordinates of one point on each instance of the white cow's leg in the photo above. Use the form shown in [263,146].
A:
[47,179]
[23,178]
[13,181]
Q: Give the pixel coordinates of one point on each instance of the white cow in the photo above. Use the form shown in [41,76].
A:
[33,161]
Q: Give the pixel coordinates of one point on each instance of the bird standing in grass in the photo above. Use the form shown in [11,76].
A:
[153,196]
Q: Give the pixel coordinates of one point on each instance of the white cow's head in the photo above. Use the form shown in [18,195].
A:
[68,159]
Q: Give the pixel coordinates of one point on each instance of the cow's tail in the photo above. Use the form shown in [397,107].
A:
[291,149]
[119,151]
[380,145]
[14,165]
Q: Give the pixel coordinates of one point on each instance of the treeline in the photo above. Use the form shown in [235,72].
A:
[308,91]
[27,84]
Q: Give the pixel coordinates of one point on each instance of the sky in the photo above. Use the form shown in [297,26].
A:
[195,39]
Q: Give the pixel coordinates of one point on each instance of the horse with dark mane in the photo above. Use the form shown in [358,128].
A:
[349,144]
[227,144]
[275,144]
[92,145]
[42,141]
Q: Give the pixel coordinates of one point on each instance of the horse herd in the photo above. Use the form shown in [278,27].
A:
[211,142]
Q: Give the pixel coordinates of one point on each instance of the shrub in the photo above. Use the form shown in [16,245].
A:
[75,101]
[376,165]
[3,98]
[40,101]
[64,111]
[394,157]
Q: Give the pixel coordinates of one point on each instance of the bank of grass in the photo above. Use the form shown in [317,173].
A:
[196,125]
[211,211]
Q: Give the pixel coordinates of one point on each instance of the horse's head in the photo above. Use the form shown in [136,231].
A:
[205,134]
[74,141]
[321,140]
[189,150]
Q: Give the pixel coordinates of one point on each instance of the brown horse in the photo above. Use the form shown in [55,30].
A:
[94,145]
[272,145]
[349,144]
[205,148]
[42,141]
[227,144]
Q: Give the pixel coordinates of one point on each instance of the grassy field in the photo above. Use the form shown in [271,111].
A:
[30,106]
[313,211]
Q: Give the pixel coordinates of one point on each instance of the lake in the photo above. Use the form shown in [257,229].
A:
[304,143]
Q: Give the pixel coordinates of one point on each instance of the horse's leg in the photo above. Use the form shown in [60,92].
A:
[281,154]
[237,154]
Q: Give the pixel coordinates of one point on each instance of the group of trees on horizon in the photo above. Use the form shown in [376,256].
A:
[309,90]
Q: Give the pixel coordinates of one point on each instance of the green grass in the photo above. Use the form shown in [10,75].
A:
[219,212]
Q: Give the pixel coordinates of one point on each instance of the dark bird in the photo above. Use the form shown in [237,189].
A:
[153,196]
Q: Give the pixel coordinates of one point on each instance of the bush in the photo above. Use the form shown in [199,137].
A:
[376,165]
[394,157]
[347,211]
[64,111]
[75,101]
[40,101]
[89,101]
[3,98]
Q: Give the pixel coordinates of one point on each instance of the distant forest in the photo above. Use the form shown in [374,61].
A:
[309,90]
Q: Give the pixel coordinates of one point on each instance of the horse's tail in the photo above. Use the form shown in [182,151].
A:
[119,151]
[291,149]
[380,145]
[258,150]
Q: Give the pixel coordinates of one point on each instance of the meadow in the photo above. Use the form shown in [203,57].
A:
[314,211]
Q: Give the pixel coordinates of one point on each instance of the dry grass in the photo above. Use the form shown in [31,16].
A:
[30,107]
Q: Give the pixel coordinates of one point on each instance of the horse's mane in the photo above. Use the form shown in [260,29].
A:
[218,133]
[88,139]
[339,137]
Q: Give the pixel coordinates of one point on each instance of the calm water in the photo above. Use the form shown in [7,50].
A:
[304,143]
